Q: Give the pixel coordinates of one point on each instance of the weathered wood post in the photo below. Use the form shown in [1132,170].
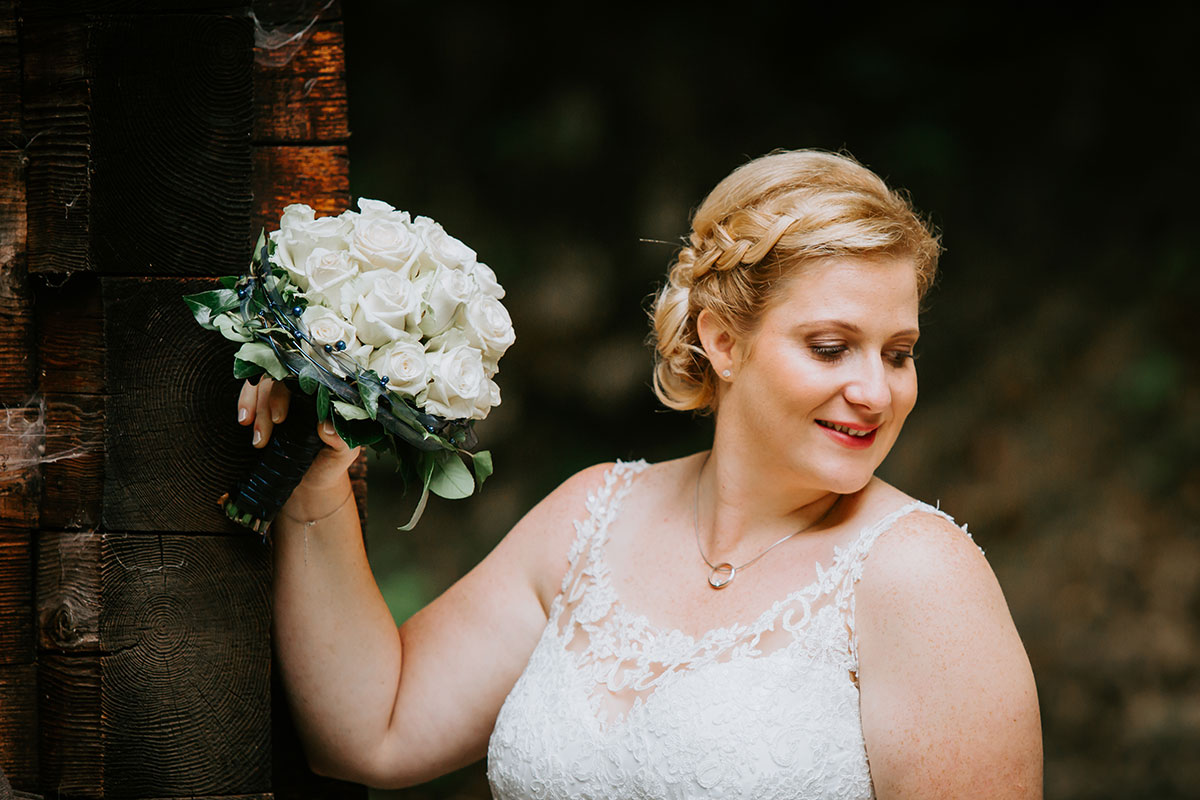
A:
[142,145]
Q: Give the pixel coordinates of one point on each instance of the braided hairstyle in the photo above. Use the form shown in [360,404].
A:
[764,220]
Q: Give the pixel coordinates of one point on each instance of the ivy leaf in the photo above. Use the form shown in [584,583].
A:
[228,282]
[482,461]
[246,369]
[370,390]
[356,433]
[451,478]
[217,301]
[349,411]
[264,356]
[308,377]
[323,402]
[427,466]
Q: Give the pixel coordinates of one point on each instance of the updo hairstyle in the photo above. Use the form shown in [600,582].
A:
[760,223]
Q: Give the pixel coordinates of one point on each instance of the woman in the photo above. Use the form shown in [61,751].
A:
[767,619]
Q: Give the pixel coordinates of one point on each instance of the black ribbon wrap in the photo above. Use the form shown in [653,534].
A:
[290,451]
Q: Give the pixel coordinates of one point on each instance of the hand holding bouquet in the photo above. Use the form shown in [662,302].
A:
[391,325]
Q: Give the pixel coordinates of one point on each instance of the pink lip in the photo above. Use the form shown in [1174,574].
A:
[852,442]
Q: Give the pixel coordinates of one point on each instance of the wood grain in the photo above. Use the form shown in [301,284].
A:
[56,102]
[22,431]
[69,729]
[17,355]
[16,597]
[180,86]
[317,175]
[172,442]
[73,472]
[164,690]
[305,100]
[37,9]
[10,77]
[69,329]
[18,724]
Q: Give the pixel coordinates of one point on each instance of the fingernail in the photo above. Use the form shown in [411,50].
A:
[327,428]
[257,436]
[242,414]
[276,417]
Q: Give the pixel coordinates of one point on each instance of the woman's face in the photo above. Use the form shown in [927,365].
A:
[825,383]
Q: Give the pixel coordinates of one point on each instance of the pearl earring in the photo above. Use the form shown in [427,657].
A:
[726,374]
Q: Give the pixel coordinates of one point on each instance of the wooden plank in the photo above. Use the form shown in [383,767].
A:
[73,465]
[317,175]
[172,440]
[18,725]
[36,9]
[22,442]
[16,597]
[56,102]
[68,592]
[10,77]
[69,729]
[176,657]
[186,625]
[17,356]
[304,100]
[181,87]
[69,320]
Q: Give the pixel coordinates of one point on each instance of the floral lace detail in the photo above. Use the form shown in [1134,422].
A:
[613,706]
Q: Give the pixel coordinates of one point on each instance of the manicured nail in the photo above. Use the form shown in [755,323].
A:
[327,428]
[257,436]
[242,414]
[277,417]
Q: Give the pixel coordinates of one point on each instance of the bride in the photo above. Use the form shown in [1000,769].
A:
[763,620]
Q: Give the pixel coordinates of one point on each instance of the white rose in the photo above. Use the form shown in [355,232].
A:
[378,208]
[458,387]
[403,363]
[383,240]
[328,327]
[387,305]
[326,270]
[441,249]
[443,292]
[300,232]
[489,328]
[485,279]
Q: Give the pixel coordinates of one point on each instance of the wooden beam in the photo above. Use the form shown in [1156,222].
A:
[18,724]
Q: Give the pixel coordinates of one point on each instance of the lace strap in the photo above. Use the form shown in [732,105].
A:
[856,554]
[602,505]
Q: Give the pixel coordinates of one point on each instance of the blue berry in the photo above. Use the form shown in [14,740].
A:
[384,380]
[297,311]
[328,348]
[243,292]
[341,345]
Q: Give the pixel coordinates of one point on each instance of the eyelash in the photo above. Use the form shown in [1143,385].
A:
[834,351]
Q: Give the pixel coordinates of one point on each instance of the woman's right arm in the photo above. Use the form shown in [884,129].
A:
[390,707]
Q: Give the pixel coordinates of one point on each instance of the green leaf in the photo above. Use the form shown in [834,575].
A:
[262,354]
[370,391]
[309,378]
[482,461]
[231,328]
[217,301]
[348,411]
[357,433]
[229,281]
[323,402]
[246,369]
[451,478]
[427,466]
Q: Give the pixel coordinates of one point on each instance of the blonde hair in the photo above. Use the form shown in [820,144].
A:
[767,218]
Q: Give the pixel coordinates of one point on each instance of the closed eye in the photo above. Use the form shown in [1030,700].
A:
[828,352]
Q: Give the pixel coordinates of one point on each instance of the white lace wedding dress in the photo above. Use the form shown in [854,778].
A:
[611,706]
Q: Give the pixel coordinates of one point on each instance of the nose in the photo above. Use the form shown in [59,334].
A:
[869,387]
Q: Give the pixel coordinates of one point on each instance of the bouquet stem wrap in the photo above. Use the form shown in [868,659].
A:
[289,453]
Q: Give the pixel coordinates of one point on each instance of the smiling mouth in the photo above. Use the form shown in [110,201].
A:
[846,430]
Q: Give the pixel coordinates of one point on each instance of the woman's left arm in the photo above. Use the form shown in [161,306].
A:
[949,706]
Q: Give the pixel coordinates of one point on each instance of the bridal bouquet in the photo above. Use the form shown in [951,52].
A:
[390,325]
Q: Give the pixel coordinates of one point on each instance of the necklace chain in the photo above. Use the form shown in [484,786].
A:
[723,574]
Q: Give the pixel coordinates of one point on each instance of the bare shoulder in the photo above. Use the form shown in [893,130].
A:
[948,700]
[545,534]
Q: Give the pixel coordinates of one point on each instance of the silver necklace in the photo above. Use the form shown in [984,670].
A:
[723,574]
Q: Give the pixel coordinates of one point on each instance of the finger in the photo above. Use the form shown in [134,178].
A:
[246,403]
[330,437]
[279,401]
[262,413]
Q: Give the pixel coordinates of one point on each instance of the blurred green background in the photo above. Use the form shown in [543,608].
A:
[1056,150]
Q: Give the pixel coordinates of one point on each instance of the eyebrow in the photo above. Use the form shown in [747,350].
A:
[851,327]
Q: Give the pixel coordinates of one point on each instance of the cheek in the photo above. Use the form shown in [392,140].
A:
[904,395]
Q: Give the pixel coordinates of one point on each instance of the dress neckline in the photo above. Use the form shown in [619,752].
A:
[827,579]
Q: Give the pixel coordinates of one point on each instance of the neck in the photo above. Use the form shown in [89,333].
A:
[745,504]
